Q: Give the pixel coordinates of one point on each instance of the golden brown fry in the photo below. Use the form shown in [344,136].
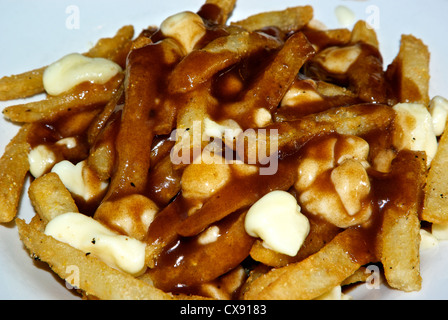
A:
[306,96]
[436,188]
[101,120]
[362,32]
[358,65]
[322,39]
[162,230]
[356,120]
[115,48]
[134,139]
[102,153]
[204,262]
[360,275]
[366,76]
[22,85]
[290,19]
[271,85]
[315,275]
[254,274]
[217,11]
[217,55]
[164,181]
[93,276]
[83,96]
[14,167]
[191,117]
[408,74]
[75,124]
[399,237]
[225,287]
[50,197]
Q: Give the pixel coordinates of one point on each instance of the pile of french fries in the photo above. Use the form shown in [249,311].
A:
[264,72]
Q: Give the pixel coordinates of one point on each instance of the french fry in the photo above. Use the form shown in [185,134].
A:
[217,55]
[115,48]
[358,119]
[189,114]
[71,125]
[290,19]
[50,197]
[360,275]
[139,115]
[22,85]
[204,262]
[102,153]
[315,275]
[14,167]
[321,39]
[408,74]
[366,75]
[162,230]
[269,88]
[399,238]
[83,96]
[436,188]
[101,120]
[362,32]
[164,181]
[217,11]
[305,97]
[227,287]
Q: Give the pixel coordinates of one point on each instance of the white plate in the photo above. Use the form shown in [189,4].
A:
[36,33]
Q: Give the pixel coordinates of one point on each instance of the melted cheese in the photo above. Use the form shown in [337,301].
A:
[76,68]
[79,179]
[277,220]
[90,236]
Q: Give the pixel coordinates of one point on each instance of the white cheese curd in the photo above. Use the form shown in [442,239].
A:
[428,240]
[440,231]
[351,183]
[79,179]
[76,68]
[228,128]
[333,182]
[210,235]
[262,117]
[41,159]
[88,235]
[296,96]
[338,60]
[69,143]
[438,108]
[345,16]
[131,215]
[277,220]
[186,27]
[414,130]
